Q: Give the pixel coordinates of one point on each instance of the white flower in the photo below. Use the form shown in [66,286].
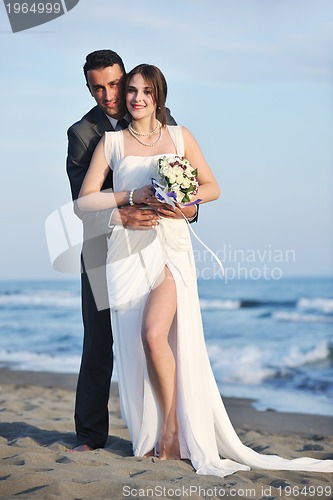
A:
[164,162]
[186,183]
[178,170]
[166,170]
[172,178]
[179,196]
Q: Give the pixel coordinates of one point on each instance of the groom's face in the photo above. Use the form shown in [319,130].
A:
[105,86]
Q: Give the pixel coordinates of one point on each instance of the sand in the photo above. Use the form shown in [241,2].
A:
[36,415]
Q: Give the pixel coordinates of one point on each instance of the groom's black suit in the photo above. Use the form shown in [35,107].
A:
[92,395]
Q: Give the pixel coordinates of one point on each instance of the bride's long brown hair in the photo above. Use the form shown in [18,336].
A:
[156,80]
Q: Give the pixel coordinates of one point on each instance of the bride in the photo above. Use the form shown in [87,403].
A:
[169,398]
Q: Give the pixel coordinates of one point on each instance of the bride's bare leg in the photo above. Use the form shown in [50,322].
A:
[159,314]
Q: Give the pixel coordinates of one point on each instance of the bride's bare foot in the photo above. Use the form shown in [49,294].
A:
[169,449]
[81,447]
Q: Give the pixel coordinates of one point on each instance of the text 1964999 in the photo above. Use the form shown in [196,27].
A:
[35,8]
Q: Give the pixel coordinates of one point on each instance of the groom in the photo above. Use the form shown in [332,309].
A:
[104,71]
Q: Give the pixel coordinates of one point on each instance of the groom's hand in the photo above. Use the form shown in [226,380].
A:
[166,210]
[135,217]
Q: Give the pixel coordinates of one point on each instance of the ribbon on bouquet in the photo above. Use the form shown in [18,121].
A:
[170,198]
[204,245]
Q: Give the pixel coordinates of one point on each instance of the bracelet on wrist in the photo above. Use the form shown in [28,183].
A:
[130,197]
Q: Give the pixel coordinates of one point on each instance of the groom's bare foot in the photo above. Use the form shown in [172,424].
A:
[150,453]
[81,447]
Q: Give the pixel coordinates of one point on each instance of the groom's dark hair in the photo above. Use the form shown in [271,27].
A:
[102,59]
[155,78]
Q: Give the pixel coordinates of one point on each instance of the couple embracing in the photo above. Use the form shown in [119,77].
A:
[138,275]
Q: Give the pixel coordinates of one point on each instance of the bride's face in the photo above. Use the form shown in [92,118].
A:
[139,98]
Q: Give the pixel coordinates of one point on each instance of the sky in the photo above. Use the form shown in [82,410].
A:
[252,80]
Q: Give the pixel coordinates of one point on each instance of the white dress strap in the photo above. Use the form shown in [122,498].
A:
[113,147]
[177,136]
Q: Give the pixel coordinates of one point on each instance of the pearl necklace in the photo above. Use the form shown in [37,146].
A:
[144,143]
[145,135]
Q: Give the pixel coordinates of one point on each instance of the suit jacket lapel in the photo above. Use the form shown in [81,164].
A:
[102,123]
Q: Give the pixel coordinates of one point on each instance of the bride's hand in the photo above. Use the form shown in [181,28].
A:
[142,195]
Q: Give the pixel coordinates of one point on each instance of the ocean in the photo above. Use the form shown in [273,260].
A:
[268,340]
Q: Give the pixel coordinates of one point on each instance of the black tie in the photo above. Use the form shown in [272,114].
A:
[123,123]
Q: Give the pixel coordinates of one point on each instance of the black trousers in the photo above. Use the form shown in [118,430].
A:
[93,387]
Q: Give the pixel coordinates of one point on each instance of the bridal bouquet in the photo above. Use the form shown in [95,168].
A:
[179,180]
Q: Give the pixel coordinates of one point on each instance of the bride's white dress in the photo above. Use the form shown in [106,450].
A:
[135,261]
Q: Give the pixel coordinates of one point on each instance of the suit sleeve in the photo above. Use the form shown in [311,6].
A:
[79,155]
[170,118]
[78,159]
